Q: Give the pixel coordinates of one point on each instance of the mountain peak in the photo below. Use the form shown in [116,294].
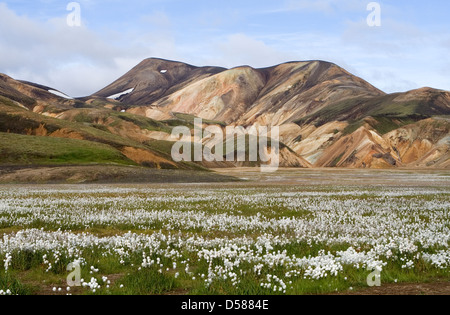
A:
[326,115]
[156,79]
[152,78]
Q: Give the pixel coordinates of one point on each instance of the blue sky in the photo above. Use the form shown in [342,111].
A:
[409,50]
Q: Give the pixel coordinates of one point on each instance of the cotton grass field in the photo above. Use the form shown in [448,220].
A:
[265,237]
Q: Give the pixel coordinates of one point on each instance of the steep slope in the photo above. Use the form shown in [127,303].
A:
[327,116]
[18,149]
[35,97]
[418,104]
[362,149]
[223,97]
[422,144]
[242,95]
[294,90]
[153,79]
[86,127]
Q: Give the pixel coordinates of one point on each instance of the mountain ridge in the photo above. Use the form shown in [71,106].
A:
[327,116]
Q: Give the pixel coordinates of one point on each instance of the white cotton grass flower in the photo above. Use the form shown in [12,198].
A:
[7,261]
[378,231]
[7,292]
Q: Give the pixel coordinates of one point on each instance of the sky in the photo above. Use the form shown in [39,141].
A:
[409,50]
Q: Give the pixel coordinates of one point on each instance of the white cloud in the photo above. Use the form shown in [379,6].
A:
[74,60]
[398,56]
[241,49]
[322,6]
[78,61]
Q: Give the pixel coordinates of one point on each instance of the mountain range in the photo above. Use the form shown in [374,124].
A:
[327,117]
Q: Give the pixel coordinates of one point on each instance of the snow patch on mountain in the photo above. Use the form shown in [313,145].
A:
[119,95]
[57,93]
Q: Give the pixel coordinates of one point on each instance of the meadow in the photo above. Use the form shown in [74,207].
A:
[236,239]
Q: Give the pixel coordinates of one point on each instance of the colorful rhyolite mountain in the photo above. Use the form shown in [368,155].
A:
[327,116]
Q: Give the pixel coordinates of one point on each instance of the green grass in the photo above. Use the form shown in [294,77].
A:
[128,278]
[352,127]
[385,106]
[143,122]
[144,282]
[190,119]
[16,123]
[9,281]
[385,125]
[7,94]
[337,160]
[91,116]
[84,117]
[20,121]
[20,149]
[16,120]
